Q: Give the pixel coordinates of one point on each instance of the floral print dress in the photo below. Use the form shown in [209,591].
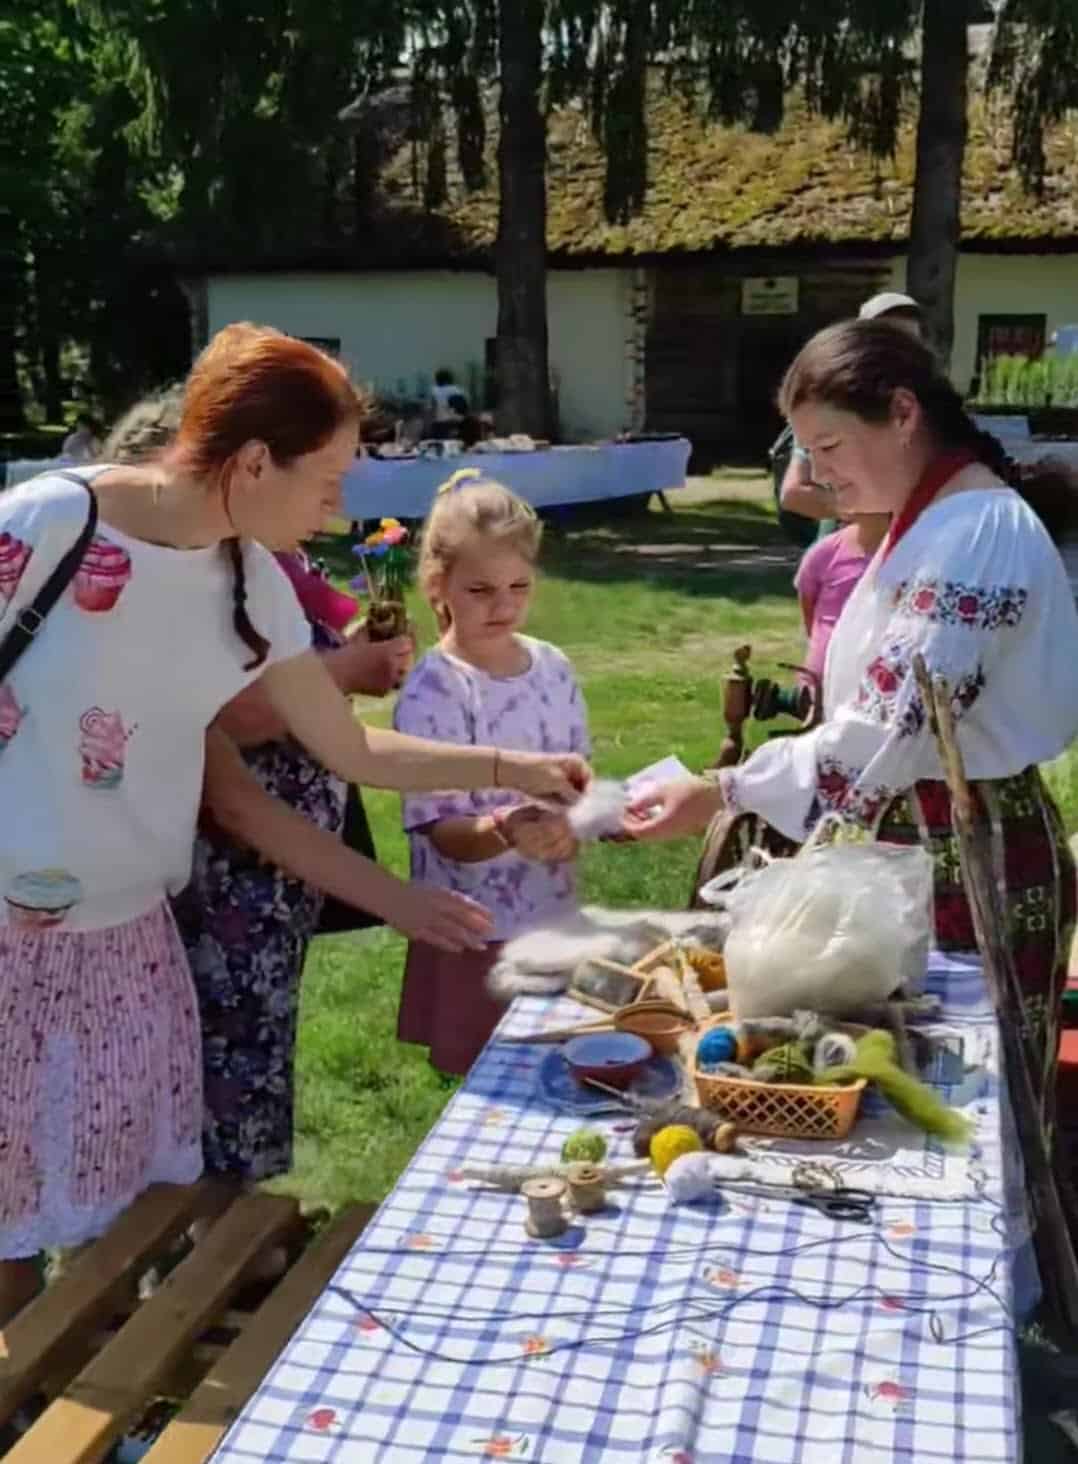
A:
[247,925]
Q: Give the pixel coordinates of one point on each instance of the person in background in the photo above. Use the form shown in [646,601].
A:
[485,680]
[827,576]
[448,405]
[175,607]
[800,492]
[83,444]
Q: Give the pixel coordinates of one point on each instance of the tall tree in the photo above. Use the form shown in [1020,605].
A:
[522,345]
[942,127]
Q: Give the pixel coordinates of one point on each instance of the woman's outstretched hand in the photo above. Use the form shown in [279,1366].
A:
[441,918]
[672,810]
[561,777]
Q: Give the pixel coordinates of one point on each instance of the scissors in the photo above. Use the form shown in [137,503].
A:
[818,1186]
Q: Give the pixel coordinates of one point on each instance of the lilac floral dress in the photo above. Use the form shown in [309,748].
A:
[444,1004]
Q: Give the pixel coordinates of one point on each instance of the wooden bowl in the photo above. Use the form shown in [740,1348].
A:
[662,1029]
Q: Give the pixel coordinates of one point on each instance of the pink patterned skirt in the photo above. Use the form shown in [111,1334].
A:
[100,1077]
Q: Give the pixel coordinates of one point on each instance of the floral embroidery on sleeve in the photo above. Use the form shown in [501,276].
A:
[949,602]
[839,790]
[889,697]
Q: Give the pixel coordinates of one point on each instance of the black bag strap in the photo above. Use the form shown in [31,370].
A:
[31,617]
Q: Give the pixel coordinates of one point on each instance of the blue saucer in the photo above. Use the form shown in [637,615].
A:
[659,1080]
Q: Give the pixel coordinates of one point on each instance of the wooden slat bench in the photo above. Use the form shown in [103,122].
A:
[101,1358]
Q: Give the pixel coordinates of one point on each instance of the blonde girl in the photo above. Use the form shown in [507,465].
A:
[485,683]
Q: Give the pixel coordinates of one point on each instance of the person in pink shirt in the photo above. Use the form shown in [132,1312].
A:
[827,576]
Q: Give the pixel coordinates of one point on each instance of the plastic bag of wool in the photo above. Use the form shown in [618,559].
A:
[833,929]
[542,961]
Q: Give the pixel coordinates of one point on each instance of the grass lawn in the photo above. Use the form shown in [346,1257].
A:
[649,609]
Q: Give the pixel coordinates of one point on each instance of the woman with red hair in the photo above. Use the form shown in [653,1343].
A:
[174,607]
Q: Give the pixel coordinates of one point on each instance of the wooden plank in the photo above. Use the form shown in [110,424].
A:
[34,1346]
[195,1432]
[81,1426]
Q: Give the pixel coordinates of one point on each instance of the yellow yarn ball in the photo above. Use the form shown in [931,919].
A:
[670,1143]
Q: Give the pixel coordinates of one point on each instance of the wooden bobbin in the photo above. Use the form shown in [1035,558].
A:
[546,1218]
[587,1194]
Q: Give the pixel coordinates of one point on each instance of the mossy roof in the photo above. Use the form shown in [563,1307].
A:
[714,188]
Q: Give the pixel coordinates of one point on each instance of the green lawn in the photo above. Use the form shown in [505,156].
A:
[649,609]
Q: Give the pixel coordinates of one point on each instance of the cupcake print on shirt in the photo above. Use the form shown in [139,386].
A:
[14,555]
[11,714]
[102,748]
[40,900]
[101,576]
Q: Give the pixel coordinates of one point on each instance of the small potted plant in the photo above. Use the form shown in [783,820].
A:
[387,561]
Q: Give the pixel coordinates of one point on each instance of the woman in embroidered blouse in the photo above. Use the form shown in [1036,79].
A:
[968,577]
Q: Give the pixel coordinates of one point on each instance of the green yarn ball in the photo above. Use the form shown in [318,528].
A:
[586,1146]
[786,1064]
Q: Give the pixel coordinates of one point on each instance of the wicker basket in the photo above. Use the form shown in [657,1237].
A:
[783,1110]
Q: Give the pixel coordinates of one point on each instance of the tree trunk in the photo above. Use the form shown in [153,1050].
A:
[12,417]
[935,231]
[522,366]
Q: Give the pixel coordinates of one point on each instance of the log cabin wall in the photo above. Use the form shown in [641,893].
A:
[711,371]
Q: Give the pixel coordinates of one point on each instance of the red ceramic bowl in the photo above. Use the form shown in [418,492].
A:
[614,1058]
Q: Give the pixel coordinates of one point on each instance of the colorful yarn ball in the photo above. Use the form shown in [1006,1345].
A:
[718,1045]
[670,1143]
[688,1178]
[586,1146]
[786,1064]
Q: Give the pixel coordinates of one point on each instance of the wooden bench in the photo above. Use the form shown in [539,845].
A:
[102,1358]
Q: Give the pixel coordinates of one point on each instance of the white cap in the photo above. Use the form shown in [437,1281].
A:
[885,303]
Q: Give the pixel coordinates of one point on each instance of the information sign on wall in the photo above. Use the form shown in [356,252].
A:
[775,295]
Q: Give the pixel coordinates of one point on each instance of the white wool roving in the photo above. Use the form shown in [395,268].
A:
[599,811]
[689,1179]
[542,961]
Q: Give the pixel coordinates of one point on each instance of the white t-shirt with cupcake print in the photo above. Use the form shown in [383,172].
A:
[102,719]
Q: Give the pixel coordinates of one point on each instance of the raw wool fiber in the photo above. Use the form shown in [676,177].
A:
[600,811]
[542,961]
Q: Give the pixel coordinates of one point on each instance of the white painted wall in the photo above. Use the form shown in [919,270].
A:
[1004,284]
[394,325]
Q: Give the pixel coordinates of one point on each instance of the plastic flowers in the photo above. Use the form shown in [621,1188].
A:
[386,561]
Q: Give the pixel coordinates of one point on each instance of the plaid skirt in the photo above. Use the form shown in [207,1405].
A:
[1034,870]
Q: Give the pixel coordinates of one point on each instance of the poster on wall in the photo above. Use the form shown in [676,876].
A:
[770,295]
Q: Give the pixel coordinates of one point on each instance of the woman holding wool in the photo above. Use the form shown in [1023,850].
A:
[968,578]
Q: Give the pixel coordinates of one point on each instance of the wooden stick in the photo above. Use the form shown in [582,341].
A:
[1055,1252]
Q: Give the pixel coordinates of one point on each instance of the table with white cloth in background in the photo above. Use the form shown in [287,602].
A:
[748,1330]
[549,478]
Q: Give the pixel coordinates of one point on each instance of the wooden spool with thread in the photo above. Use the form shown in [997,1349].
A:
[587,1193]
[546,1218]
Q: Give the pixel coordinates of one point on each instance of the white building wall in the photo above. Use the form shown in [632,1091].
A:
[1004,284]
[399,325]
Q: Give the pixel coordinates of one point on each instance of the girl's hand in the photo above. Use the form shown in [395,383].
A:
[673,810]
[538,834]
[562,776]
[439,917]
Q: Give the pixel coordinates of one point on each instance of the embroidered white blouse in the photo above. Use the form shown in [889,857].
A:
[977,587]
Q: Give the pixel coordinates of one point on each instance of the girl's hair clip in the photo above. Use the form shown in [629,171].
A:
[458,480]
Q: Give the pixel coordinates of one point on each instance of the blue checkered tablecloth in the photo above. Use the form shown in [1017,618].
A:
[752,1331]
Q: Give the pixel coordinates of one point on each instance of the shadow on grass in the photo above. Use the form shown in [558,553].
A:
[725,548]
